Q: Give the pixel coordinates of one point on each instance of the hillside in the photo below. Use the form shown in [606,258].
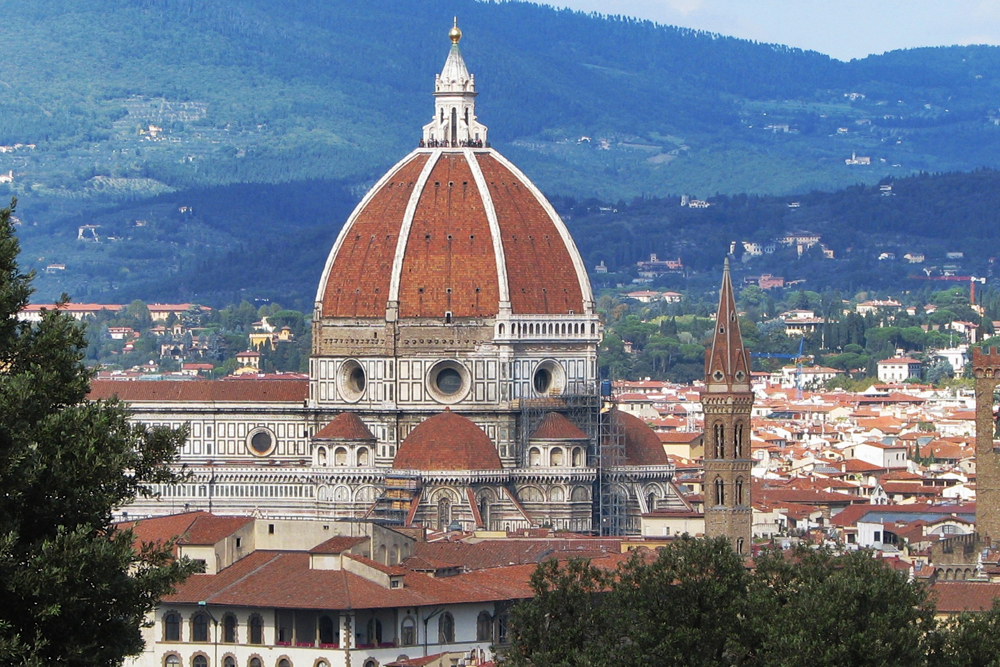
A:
[221,244]
[220,145]
[126,98]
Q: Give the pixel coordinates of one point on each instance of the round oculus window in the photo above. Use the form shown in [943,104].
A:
[542,380]
[448,381]
[352,381]
[549,378]
[261,442]
[356,379]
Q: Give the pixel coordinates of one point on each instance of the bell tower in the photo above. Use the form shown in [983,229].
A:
[726,401]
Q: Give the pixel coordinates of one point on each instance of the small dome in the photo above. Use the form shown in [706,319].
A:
[642,445]
[345,426]
[447,441]
[555,426]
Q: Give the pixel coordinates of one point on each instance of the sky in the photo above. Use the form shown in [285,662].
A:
[844,29]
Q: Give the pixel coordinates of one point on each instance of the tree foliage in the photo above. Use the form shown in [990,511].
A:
[74,589]
[696,603]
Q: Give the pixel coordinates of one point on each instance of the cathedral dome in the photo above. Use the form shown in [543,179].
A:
[447,441]
[457,231]
[454,230]
[345,426]
[642,445]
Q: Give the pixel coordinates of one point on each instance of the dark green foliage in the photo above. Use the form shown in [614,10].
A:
[73,591]
[696,604]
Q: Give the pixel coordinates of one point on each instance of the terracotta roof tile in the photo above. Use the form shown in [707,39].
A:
[957,596]
[207,391]
[345,426]
[555,426]
[447,441]
[642,444]
[338,544]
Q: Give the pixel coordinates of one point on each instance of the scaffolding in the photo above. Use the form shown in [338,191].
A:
[586,408]
[393,505]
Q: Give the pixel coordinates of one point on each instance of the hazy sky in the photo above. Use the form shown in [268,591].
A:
[844,29]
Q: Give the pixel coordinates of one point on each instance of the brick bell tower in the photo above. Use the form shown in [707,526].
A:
[986,371]
[726,401]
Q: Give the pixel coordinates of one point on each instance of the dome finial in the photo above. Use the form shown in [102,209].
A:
[455,33]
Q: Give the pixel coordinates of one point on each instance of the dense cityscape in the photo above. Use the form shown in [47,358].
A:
[508,429]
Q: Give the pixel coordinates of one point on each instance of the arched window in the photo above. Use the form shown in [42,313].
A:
[382,555]
[284,662]
[255,662]
[228,629]
[444,513]
[363,457]
[408,635]
[738,491]
[321,456]
[534,457]
[229,661]
[501,329]
[557,495]
[484,510]
[484,627]
[739,545]
[199,661]
[199,627]
[720,491]
[556,457]
[651,501]
[172,660]
[446,629]
[580,494]
[578,457]
[738,441]
[340,456]
[327,631]
[454,126]
[394,555]
[172,627]
[256,629]
[720,440]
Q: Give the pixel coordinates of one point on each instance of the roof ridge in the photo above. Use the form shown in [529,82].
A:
[276,555]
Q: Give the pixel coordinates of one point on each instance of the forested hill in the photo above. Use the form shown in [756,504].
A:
[222,244]
[127,98]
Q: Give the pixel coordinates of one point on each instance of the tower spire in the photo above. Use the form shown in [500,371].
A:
[454,124]
[726,365]
[727,402]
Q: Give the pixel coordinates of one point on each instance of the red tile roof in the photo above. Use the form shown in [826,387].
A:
[954,597]
[345,426]
[205,391]
[555,426]
[642,444]
[447,441]
[338,544]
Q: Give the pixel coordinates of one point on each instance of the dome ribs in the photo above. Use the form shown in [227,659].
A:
[540,270]
[358,283]
[448,265]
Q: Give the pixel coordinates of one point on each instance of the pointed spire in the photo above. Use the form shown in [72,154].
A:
[727,365]
[454,124]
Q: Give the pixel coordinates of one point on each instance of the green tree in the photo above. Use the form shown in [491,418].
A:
[74,588]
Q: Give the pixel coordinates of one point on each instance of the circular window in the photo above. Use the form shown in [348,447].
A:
[352,381]
[448,382]
[543,380]
[261,442]
[549,378]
